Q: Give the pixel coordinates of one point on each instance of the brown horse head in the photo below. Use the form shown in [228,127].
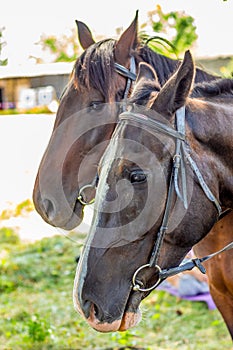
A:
[134,177]
[86,119]
[81,129]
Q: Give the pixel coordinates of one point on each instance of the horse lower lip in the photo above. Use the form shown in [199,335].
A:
[129,320]
[74,221]
[132,314]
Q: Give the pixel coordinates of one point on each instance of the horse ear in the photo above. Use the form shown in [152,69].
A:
[84,35]
[174,93]
[126,43]
[145,71]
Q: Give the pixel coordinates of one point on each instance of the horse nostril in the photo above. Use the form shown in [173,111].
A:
[49,208]
[96,310]
[91,310]
[86,308]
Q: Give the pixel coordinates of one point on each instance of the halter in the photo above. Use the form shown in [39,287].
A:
[181,153]
[130,74]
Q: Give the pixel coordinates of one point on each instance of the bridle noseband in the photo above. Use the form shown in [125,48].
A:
[130,75]
[181,155]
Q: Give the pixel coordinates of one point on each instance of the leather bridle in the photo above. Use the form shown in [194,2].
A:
[181,155]
[130,75]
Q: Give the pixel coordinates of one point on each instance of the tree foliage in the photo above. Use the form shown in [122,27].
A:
[175,32]
[227,71]
[64,48]
[3,62]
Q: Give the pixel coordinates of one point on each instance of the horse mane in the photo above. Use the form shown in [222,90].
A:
[100,75]
[163,65]
[214,88]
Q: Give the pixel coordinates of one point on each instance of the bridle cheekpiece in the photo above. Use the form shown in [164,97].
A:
[181,156]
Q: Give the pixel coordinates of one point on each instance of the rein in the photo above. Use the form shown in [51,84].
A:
[130,74]
[181,153]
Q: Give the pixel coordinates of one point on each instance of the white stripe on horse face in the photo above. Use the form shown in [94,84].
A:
[103,187]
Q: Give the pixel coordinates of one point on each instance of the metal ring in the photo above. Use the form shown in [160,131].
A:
[136,284]
[80,195]
[176,156]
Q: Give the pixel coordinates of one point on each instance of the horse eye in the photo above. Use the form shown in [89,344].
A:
[137,176]
[96,105]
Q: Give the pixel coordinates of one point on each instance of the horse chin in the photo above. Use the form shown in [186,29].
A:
[132,315]
[76,218]
[130,320]
[73,221]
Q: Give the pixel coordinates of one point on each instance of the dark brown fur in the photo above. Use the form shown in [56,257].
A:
[205,118]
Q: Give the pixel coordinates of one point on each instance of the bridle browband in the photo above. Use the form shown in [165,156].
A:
[181,155]
[130,75]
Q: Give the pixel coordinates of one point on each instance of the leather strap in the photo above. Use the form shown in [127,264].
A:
[190,264]
[178,163]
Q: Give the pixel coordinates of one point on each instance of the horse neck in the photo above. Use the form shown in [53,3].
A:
[210,126]
[166,66]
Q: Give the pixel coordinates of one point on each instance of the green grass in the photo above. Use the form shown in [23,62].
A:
[37,312]
[34,110]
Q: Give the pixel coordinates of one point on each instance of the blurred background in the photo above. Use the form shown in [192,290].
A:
[38,48]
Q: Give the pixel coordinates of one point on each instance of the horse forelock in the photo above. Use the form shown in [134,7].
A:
[95,68]
[143,92]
